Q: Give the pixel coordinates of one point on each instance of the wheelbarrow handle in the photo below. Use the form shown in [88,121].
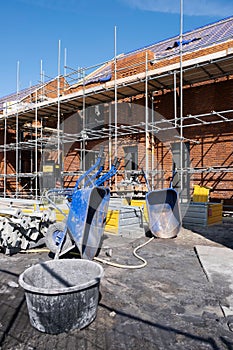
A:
[97,164]
[147,182]
[116,162]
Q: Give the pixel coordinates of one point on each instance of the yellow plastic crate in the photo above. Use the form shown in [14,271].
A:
[214,213]
[112,221]
[142,204]
[201,194]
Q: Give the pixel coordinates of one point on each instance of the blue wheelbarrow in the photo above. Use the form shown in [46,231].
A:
[164,211]
[88,207]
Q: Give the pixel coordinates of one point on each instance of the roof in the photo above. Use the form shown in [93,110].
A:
[202,37]
[207,68]
[18,96]
[194,40]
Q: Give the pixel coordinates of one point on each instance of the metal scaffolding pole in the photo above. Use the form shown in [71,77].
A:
[58,101]
[5,159]
[36,148]
[84,120]
[152,143]
[65,62]
[41,136]
[146,118]
[31,165]
[115,93]
[42,79]
[17,154]
[17,135]
[181,97]
[110,137]
[175,100]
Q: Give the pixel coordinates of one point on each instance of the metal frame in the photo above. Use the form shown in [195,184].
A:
[181,74]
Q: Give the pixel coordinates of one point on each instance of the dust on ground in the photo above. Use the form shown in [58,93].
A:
[169,304]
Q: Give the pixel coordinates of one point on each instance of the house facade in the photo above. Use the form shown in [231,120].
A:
[162,107]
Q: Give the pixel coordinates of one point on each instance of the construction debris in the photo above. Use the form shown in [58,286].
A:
[21,231]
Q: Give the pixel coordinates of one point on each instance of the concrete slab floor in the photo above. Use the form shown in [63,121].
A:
[169,304]
[217,263]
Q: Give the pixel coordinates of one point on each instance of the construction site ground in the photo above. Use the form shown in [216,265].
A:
[172,303]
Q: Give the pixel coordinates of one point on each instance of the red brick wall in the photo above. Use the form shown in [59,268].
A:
[132,64]
[214,146]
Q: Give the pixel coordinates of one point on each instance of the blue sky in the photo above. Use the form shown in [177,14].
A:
[31,29]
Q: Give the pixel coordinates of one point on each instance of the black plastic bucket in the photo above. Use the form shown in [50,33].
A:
[62,294]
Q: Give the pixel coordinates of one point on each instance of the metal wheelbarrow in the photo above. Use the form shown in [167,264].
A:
[164,211]
[88,208]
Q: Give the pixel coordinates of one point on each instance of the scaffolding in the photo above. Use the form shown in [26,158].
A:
[32,119]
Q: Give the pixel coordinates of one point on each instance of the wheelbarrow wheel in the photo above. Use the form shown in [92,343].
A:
[54,234]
